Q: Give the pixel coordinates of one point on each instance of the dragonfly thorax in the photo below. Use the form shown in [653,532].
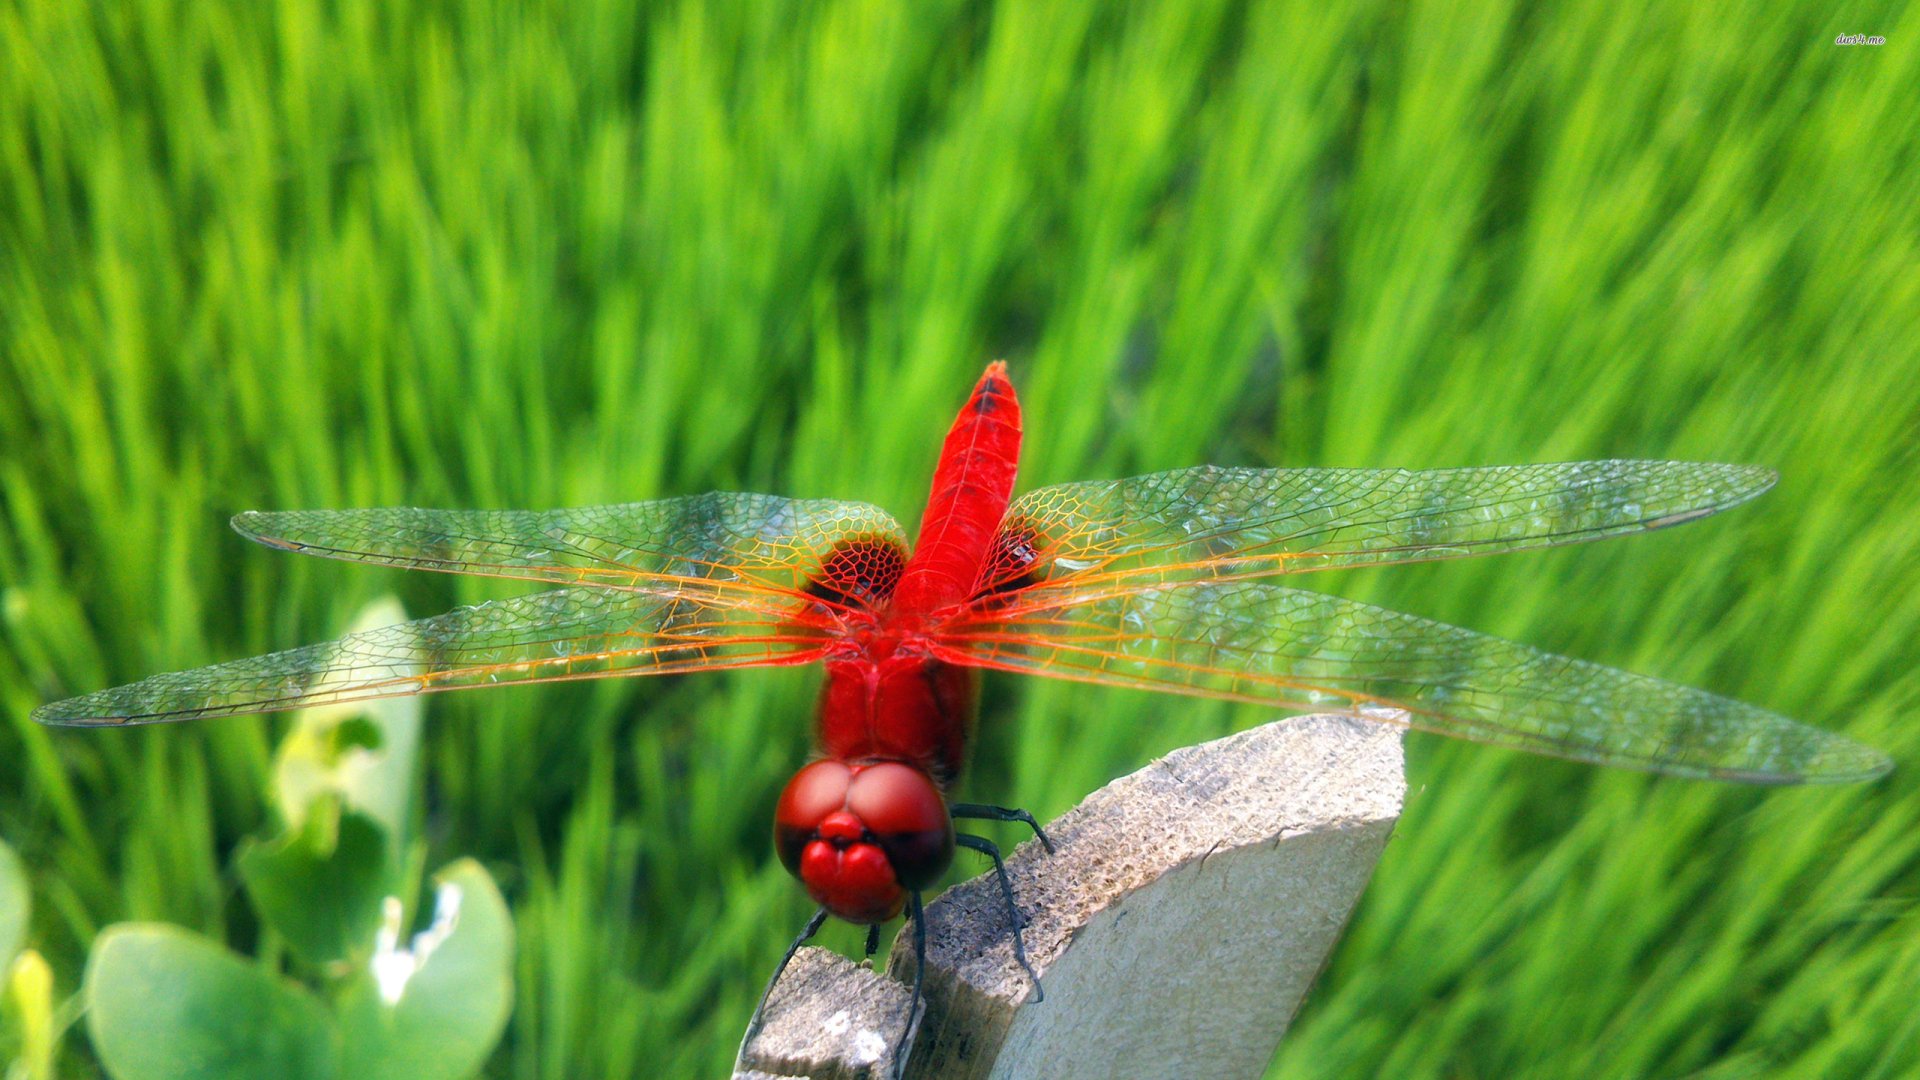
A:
[894,700]
[861,836]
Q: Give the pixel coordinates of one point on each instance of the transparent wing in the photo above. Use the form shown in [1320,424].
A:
[725,542]
[1210,522]
[577,633]
[1260,642]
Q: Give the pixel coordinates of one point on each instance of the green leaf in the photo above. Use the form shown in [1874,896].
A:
[15,904]
[444,1019]
[321,887]
[163,1003]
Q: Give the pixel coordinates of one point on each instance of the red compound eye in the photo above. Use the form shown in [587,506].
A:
[903,809]
[814,792]
[861,837]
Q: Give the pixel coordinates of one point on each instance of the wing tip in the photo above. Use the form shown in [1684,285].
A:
[254,525]
[54,715]
[1839,760]
[1755,480]
[1860,764]
[1744,482]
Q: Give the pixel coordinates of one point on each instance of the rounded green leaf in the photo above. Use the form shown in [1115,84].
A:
[165,1004]
[443,998]
[15,905]
[321,887]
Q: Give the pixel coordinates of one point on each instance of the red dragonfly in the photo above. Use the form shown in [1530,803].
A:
[1161,582]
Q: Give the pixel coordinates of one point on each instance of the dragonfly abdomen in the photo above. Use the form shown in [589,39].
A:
[971,489]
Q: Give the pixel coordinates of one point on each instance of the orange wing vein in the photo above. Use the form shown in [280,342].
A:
[720,543]
[1260,642]
[577,633]
[1213,523]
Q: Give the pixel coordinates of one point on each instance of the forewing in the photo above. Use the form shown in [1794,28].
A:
[577,633]
[1260,642]
[721,542]
[1211,522]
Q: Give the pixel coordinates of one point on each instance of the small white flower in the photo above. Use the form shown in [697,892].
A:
[393,967]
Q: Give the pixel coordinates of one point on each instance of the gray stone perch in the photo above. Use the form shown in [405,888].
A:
[1176,930]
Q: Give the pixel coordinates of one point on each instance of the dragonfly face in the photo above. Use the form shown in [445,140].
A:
[861,837]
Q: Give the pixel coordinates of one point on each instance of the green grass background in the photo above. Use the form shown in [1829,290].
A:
[494,254]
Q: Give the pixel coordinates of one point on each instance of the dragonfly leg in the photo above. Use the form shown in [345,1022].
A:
[1013,911]
[917,915]
[985,812]
[759,1011]
[873,944]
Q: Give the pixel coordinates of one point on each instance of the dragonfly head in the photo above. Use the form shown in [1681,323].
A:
[861,837]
